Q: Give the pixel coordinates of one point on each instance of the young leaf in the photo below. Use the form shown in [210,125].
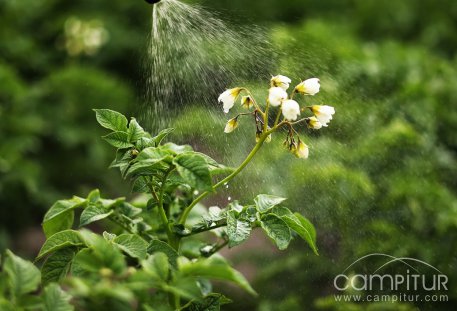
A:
[135,131]
[111,120]
[118,139]
[24,277]
[162,134]
[61,240]
[277,230]
[93,213]
[157,265]
[132,244]
[55,299]
[264,202]
[194,169]
[237,230]
[60,216]
[160,246]
[57,265]
[101,254]
[214,268]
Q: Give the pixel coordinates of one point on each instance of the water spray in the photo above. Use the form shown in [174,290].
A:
[152,1]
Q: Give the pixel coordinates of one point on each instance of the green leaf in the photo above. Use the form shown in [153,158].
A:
[60,216]
[55,299]
[118,139]
[93,196]
[214,268]
[24,277]
[212,302]
[135,131]
[111,120]
[93,213]
[194,169]
[132,244]
[160,246]
[304,229]
[238,230]
[57,265]
[157,265]
[277,230]
[264,202]
[162,134]
[101,254]
[61,240]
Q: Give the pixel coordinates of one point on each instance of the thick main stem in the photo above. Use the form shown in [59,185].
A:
[183,218]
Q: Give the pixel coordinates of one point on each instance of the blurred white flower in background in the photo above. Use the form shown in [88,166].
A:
[281,81]
[308,87]
[290,110]
[276,96]
[84,37]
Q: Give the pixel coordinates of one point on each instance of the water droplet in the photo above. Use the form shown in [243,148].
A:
[229,198]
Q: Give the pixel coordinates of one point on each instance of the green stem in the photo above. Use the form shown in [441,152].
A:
[183,218]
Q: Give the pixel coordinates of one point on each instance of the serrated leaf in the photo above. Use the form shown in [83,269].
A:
[277,230]
[264,202]
[57,265]
[132,244]
[162,134]
[61,240]
[23,276]
[60,216]
[55,299]
[118,139]
[135,131]
[214,268]
[238,230]
[194,169]
[93,213]
[111,120]
[160,246]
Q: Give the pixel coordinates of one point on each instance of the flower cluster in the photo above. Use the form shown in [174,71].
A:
[287,107]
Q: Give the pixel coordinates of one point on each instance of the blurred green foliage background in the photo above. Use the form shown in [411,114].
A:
[381,179]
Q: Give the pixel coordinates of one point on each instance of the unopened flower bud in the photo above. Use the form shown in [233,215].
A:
[247,101]
[231,125]
[313,123]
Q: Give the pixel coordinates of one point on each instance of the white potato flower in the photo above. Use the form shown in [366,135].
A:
[313,123]
[290,110]
[276,96]
[280,81]
[323,113]
[231,125]
[229,97]
[302,150]
[308,87]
